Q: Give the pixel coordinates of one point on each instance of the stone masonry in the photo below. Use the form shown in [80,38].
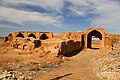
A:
[72,41]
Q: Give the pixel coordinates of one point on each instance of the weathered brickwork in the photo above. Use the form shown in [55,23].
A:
[72,41]
[36,35]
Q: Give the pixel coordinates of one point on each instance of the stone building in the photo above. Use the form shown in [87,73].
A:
[94,38]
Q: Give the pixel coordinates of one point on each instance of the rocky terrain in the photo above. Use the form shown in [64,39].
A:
[45,62]
[108,66]
[22,62]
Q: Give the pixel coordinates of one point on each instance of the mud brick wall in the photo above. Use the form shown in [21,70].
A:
[70,46]
[115,38]
[71,35]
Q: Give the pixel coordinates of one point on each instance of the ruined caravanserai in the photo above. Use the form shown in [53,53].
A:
[71,41]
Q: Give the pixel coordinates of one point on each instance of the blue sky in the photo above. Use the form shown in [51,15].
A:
[59,15]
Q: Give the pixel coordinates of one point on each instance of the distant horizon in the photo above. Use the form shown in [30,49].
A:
[49,31]
[53,32]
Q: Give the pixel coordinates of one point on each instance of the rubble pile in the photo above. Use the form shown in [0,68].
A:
[24,70]
[13,75]
[108,66]
[28,43]
[20,71]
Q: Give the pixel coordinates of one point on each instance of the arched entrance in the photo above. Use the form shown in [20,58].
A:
[94,39]
[32,35]
[43,36]
[20,35]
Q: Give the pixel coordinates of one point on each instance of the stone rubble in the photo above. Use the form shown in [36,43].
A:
[108,66]
[24,71]
[13,75]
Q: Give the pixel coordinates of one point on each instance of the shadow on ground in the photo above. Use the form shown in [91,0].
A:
[73,53]
[59,77]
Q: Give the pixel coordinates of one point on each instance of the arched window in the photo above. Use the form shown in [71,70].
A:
[20,35]
[32,35]
[43,36]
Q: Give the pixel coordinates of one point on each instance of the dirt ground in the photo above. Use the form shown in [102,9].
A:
[79,67]
[86,65]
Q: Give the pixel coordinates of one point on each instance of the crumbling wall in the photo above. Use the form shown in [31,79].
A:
[71,35]
[5,39]
[114,39]
[56,36]
[69,46]
[70,41]
[10,37]
[28,43]
[111,40]
[62,46]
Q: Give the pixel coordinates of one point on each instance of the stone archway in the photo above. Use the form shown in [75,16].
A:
[32,35]
[20,35]
[98,33]
[44,36]
[90,36]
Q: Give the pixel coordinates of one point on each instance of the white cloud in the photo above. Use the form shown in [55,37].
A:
[77,12]
[108,12]
[78,2]
[108,15]
[6,26]
[46,4]
[22,17]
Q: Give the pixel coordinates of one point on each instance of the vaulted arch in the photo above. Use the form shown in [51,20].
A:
[43,36]
[32,35]
[20,35]
[94,37]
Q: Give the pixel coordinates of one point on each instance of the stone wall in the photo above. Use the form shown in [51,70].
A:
[71,41]
[114,38]
[71,35]
[69,46]
[63,46]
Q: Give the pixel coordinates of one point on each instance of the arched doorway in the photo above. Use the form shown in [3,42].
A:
[43,36]
[32,35]
[94,39]
[20,35]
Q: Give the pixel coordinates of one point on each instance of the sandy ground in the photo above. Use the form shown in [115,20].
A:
[1,41]
[79,67]
[82,66]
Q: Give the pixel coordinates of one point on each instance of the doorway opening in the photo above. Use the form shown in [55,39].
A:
[94,39]
[95,42]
